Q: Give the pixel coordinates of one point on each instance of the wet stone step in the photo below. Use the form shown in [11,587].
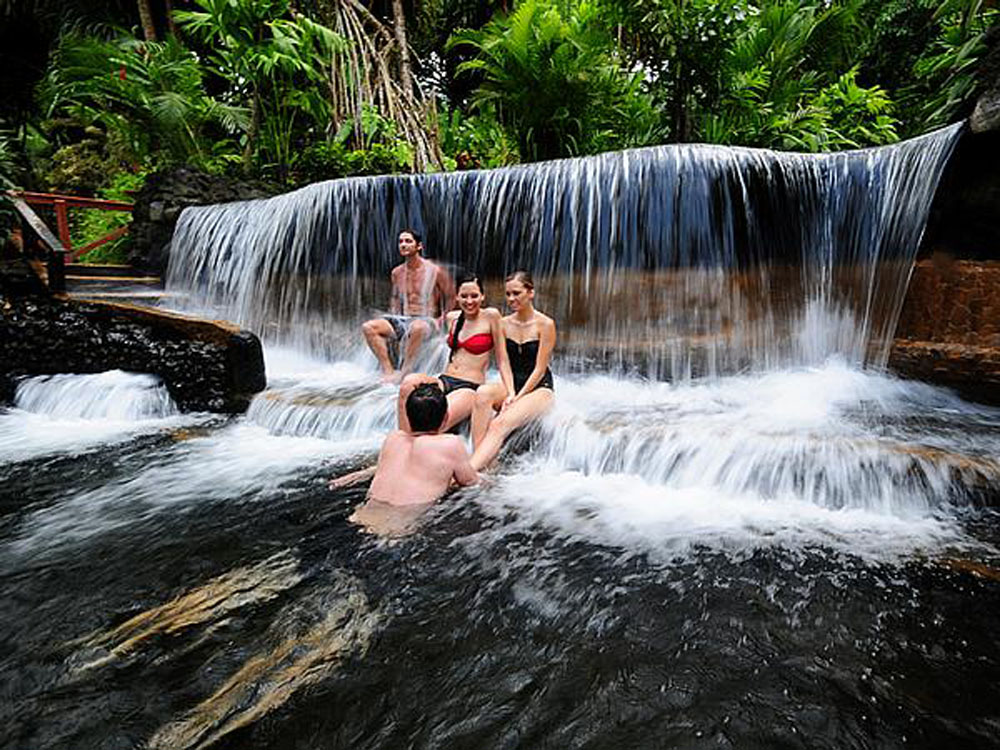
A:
[113,279]
[100,269]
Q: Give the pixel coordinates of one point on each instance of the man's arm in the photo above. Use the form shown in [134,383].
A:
[463,472]
[397,293]
[355,477]
[446,290]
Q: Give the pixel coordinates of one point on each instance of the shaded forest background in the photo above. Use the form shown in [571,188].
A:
[97,95]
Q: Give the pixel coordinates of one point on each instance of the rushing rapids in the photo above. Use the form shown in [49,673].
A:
[766,546]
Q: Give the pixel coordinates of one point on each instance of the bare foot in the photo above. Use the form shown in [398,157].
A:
[392,377]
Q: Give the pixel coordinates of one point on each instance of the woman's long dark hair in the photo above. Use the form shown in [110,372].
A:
[465,278]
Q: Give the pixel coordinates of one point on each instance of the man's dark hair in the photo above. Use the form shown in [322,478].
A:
[426,408]
[416,235]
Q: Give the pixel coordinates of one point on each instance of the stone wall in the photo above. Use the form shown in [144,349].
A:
[949,328]
[205,365]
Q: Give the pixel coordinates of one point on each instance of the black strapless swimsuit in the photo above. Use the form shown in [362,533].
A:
[523,358]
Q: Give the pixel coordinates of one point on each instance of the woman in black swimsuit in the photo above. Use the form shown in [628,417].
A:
[531,337]
[473,332]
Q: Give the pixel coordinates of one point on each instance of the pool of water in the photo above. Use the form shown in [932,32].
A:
[800,559]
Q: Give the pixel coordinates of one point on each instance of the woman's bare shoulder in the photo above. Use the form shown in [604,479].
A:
[491,313]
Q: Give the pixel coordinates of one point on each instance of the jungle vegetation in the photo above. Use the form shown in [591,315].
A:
[97,94]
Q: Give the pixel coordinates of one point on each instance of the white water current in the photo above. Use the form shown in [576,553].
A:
[828,455]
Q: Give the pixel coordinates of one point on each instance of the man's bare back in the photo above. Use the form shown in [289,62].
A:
[414,468]
[418,469]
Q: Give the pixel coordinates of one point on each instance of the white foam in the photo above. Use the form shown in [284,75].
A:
[739,462]
[628,512]
[239,464]
[76,413]
[113,395]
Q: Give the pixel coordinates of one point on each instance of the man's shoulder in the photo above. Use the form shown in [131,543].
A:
[397,436]
[397,270]
[442,441]
[439,270]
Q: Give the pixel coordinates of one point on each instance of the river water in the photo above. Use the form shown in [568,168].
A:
[803,558]
[734,530]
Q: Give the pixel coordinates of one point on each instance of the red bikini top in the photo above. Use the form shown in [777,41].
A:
[478,343]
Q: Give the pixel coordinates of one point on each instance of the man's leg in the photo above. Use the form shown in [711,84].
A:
[419,331]
[378,333]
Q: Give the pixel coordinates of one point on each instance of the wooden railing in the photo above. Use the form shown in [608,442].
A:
[59,243]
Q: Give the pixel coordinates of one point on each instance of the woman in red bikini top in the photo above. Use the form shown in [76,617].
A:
[473,332]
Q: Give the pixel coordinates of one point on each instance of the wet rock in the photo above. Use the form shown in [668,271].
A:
[205,365]
[949,328]
[986,115]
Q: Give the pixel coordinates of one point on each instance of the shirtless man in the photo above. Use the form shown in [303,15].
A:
[414,468]
[422,292]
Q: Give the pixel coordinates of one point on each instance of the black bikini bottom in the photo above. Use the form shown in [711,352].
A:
[454,384]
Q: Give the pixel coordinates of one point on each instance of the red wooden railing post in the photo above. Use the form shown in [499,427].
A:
[62,224]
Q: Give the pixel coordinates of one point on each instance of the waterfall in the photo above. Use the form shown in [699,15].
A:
[680,259]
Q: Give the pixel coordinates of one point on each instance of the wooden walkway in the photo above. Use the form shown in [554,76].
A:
[112,283]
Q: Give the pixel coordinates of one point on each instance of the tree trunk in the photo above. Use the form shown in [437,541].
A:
[405,77]
[252,133]
[146,17]
[679,116]
[168,8]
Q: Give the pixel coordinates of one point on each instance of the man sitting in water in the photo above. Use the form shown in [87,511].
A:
[422,292]
[416,467]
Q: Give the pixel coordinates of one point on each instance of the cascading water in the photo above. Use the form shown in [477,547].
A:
[677,256]
[55,413]
[679,261]
[792,553]
[112,395]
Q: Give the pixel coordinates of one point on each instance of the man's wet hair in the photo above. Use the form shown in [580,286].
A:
[426,408]
[416,235]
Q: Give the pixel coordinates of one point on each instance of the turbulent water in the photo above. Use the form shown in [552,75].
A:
[765,547]
[802,558]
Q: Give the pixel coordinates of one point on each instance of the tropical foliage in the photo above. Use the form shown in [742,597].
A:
[274,67]
[779,85]
[314,89]
[148,97]
[551,73]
